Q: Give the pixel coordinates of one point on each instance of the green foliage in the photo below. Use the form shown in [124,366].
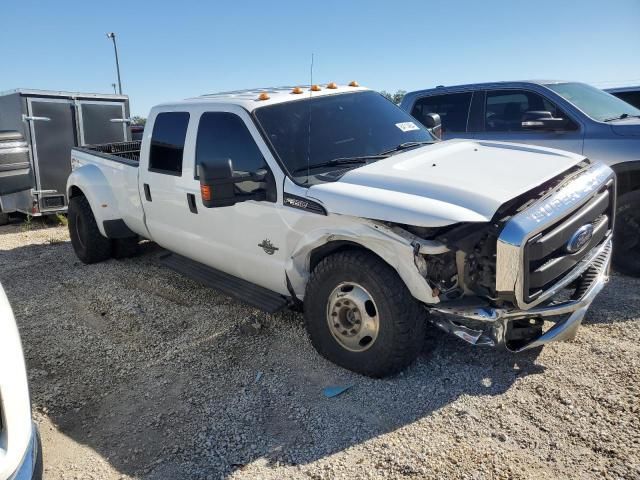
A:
[136,120]
[394,97]
[62,219]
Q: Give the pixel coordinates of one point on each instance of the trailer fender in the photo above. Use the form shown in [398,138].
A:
[89,181]
[394,249]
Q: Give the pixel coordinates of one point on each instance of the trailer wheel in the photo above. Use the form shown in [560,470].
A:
[360,315]
[626,240]
[124,247]
[4,218]
[88,243]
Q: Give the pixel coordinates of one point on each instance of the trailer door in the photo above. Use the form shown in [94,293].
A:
[52,125]
[102,122]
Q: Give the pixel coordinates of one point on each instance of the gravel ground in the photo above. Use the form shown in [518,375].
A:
[137,372]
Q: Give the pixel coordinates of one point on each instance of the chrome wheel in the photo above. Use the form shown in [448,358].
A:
[352,316]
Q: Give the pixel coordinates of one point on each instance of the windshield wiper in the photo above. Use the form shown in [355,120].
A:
[622,116]
[406,145]
[342,161]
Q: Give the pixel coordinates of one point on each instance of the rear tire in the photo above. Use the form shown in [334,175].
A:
[626,240]
[338,331]
[88,243]
[4,219]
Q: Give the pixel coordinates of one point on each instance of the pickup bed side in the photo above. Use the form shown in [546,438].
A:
[110,183]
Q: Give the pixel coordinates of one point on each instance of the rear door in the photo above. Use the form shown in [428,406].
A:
[502,116]
[102,122]
[161,180]
[453,109]
[53,134]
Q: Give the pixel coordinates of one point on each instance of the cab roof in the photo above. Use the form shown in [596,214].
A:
[253,98]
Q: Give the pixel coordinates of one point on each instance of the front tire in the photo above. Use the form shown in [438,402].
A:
[4,218]
[626,241]
[360,315]
[88,243]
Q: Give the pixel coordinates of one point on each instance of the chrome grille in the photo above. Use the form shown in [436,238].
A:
[546,259]
[532,262]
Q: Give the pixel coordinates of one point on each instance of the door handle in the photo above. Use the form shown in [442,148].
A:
[191,200]
[147,192]
[35,119]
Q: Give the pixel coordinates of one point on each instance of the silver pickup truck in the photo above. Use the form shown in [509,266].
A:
[569,116]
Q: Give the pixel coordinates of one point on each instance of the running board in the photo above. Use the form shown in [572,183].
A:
[237,288]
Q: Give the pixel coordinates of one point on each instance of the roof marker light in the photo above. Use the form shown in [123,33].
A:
[353,83]
[332,85]
[296,90]
[315,88]
[264,96]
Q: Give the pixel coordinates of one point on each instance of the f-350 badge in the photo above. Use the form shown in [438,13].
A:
[268,247]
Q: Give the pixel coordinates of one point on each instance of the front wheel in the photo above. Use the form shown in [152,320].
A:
[88,243]
[626,241]
[360,315]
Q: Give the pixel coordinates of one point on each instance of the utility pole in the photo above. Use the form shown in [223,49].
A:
[112,36]
[114,87]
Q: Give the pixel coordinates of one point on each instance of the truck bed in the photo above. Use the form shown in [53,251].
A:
[125,152]
[113,183]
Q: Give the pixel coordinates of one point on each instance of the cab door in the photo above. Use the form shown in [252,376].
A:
[161,177]
[246,239]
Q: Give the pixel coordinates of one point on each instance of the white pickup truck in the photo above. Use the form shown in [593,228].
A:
[332,199]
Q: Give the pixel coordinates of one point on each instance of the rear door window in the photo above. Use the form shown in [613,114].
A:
[167,143]
[453,109]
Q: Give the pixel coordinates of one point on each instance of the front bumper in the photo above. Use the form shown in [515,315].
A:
[31,466]
[481,324]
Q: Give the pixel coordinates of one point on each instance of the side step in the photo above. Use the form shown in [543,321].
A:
[237,288]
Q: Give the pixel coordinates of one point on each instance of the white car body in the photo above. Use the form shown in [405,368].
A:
[18,436]
[435,186]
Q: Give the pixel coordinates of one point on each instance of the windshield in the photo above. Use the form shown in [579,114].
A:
[336,128]
[596,103]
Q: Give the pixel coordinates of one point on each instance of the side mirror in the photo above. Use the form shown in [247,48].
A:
[217,183]
[433,122]
[541,120]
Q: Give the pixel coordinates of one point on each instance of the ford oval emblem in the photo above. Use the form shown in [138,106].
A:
[580,238]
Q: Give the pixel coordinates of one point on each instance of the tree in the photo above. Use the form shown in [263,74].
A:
[394,97]
[136,120]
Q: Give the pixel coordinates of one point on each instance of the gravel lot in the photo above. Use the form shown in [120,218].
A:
[137,372]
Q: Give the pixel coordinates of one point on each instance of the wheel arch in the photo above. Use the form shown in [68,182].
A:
[389,248]
[628,176]
[90,182]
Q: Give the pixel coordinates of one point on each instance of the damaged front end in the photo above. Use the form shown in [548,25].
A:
[528,277]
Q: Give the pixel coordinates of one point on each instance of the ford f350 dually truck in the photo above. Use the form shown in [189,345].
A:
[334,200]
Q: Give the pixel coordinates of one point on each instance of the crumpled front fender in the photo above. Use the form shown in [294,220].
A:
[394,249]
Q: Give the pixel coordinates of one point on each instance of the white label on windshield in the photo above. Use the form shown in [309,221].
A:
[407,126]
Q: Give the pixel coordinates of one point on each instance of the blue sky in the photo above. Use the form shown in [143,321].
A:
[177,49]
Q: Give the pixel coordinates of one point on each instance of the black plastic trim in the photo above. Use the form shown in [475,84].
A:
[117,229]
[107,156]
[302,203]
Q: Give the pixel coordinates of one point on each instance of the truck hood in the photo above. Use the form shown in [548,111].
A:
[441,184]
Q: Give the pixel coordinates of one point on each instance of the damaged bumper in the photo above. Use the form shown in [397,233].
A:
[519,330]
